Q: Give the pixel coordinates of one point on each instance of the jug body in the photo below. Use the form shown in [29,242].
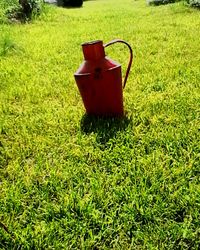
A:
[99,81]
[100,86]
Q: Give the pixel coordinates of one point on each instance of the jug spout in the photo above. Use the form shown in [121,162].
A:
[93,50]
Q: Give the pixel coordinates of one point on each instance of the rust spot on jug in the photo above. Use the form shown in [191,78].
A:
[98,73]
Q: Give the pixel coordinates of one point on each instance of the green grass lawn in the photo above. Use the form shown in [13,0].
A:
[71,182]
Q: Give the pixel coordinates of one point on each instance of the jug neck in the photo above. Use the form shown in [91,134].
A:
[93,50]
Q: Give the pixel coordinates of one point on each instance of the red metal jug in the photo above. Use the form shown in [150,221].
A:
[99,80]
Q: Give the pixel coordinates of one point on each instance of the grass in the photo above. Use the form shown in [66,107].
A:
[7,45]
[73,182]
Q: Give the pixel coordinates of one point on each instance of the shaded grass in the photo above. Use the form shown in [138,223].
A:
[69,181]
[7,45]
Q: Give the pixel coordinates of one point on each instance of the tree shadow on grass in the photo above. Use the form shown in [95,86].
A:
[69,4]
[105,128]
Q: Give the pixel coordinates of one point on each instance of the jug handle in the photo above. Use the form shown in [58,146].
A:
[130,60]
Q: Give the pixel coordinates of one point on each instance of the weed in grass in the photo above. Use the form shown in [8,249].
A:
[7,45]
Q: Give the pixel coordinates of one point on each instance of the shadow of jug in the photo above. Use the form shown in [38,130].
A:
[105,128]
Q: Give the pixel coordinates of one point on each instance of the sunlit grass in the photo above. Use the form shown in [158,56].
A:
[73,182]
